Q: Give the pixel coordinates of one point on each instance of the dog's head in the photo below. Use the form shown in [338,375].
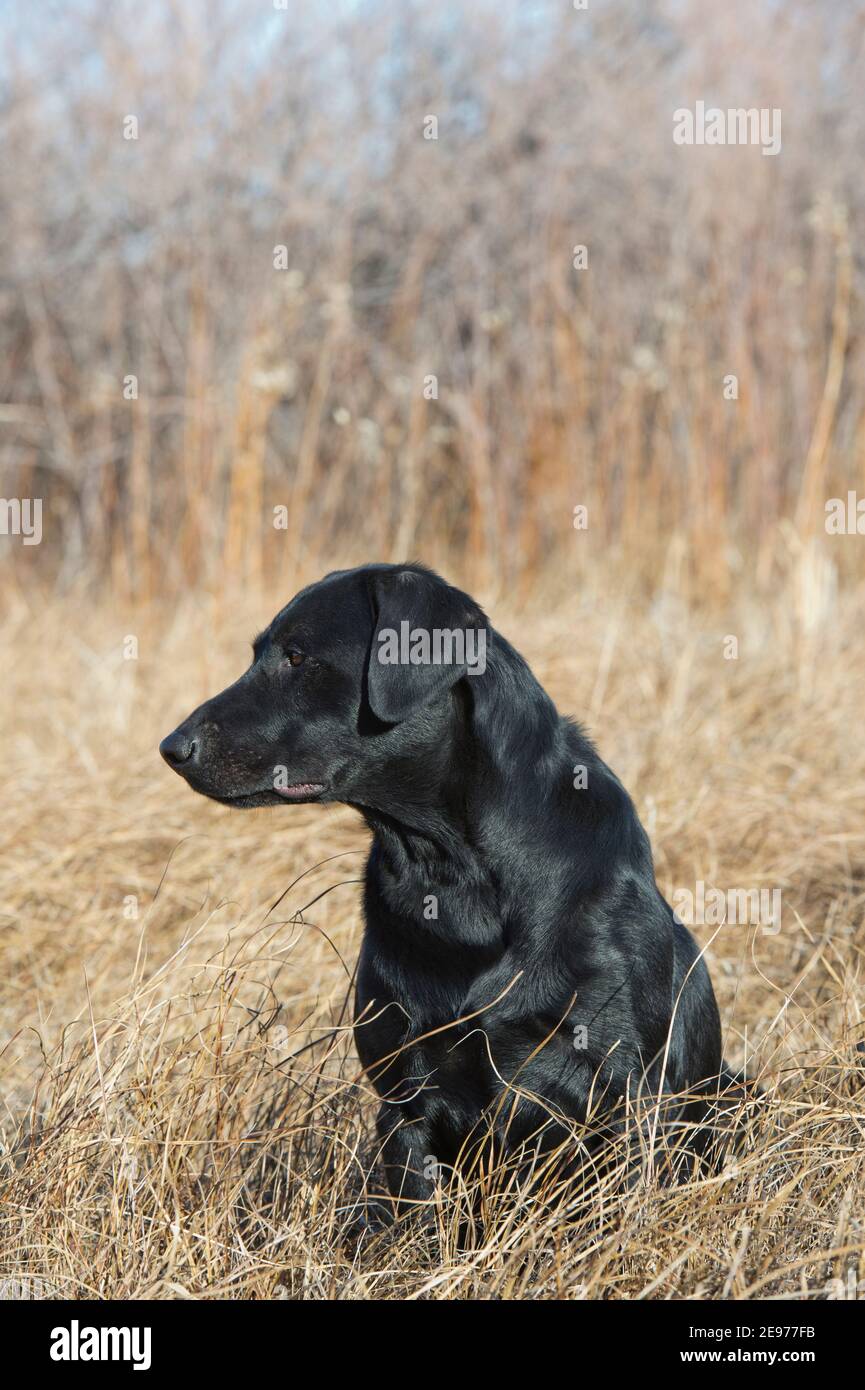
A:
[350,684]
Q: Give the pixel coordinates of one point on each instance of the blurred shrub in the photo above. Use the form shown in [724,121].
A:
[307,386]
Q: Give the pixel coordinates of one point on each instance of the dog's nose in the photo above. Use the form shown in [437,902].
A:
[178,748]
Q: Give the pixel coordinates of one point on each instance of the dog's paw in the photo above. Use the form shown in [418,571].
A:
[370,1219]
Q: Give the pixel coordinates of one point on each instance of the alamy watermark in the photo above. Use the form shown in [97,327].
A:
[25,1287]
[21,516]
[77,1343]
[702,906]
[736,126]
[439,646]
[845,518]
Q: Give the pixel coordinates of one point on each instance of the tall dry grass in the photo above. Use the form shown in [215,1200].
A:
[185,1115]
[407,258]
[183,1111]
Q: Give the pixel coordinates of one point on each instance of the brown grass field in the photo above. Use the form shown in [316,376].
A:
[182,1113]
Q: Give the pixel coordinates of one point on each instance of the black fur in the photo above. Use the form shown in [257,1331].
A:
[506,908]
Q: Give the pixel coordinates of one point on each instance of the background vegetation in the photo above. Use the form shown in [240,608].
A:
[183,1112]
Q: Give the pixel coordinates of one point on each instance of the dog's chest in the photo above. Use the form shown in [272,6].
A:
[428,940]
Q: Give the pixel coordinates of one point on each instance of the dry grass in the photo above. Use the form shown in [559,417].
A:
[184,1112]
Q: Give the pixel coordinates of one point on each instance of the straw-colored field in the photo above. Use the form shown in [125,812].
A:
[295,288]
[168,1130]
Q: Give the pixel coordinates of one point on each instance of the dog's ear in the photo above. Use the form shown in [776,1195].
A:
[424,632]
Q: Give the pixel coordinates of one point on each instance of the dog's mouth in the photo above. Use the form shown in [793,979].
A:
[300,791]
[268,796]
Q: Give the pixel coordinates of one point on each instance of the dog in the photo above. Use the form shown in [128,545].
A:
[520,972]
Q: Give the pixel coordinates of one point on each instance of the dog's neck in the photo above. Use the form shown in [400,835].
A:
[489,771]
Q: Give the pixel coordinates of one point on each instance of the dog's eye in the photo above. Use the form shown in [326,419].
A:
[294,658]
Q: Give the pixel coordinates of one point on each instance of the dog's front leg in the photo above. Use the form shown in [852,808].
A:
[410,1165]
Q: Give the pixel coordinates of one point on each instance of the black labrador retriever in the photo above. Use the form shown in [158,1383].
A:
[520,970]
